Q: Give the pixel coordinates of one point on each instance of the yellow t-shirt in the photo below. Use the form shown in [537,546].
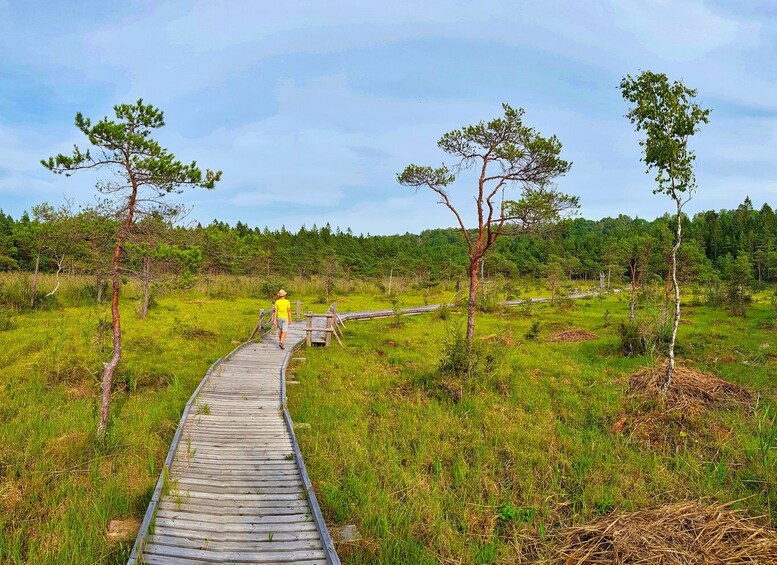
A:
[282,308]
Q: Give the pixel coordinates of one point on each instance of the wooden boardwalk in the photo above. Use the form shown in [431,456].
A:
[237,490]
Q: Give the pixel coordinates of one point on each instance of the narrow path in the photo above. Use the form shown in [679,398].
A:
[236,488]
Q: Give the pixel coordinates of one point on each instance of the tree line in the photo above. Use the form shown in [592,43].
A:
[622,248]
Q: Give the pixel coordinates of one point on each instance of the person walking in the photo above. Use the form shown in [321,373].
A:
[281,316]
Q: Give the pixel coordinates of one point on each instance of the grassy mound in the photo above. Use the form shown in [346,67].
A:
[688,389]
[685,532]
[670,419]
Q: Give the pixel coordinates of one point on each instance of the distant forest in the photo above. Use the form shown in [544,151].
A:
[620,247]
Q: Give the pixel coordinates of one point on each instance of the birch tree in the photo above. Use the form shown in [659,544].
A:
[668,115]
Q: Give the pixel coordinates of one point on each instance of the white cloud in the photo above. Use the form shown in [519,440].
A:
[300,136]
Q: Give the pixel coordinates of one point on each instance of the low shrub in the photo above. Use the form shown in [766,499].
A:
[534,331]
[443,312]
[644,336]
[465,360]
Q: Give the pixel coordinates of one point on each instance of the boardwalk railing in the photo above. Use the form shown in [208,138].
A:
[319,328]
[265,321]
[315,509]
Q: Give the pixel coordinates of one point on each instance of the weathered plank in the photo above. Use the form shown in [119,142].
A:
[235,492]
[234,556]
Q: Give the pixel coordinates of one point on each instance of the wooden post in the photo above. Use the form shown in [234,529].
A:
[258,329]
[299,310]
[329,330]
[309,328]
[332,321]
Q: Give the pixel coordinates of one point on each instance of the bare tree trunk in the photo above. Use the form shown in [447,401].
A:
[676,323]
[473,297]
[59,270]
[609,272]
[35,276]
[99,287]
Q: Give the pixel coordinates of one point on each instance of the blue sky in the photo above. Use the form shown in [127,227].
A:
[311,108]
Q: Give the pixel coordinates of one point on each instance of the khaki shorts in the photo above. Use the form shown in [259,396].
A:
[283,324]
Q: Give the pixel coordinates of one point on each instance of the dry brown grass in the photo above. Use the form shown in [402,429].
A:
[681,533]
[669,420]
[123,530]
[688,389]
[573,335]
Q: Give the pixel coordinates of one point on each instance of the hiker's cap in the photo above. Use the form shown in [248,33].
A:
[281,293]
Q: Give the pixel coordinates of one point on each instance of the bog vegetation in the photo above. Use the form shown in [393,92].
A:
[524,441]
[528,444]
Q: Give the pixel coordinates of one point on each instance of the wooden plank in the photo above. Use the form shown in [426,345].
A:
[219,509]
[165,560]
[248,537]
[217,521]
[192,494]
[267,527]
[184,486]
[236,557]
[233,477]
[279,542]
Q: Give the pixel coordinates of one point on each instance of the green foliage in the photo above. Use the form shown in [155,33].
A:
[645,335]
[509,513]
[667,114]
[508,154]
[738,285]
[397,318]
[490,303]
[443,312]
[8,263]
[269,288]
[6,322]
[129,137]
[465,360]
[713,240]
[534,331]
[767,436]
[456,359]
[433,460]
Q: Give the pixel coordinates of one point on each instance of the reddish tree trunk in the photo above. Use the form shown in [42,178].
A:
[146,287]
[473,297]
[110,366]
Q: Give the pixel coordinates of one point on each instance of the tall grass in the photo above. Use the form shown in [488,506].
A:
[59,489]
[485,476]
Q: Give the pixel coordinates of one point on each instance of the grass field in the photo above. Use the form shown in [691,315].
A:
[59,488]
[422,475]
[430,474]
